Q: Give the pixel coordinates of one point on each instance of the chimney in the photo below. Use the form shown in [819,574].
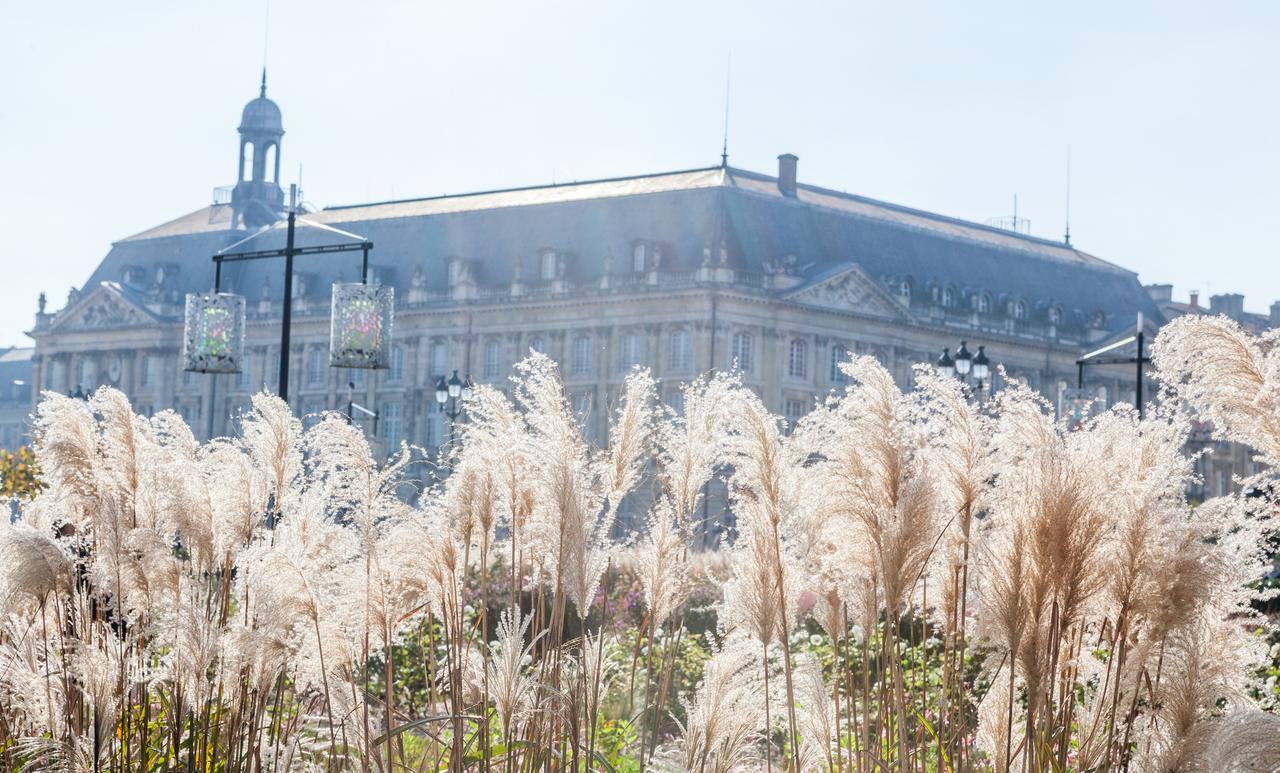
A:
[1230,304]
[1275,314]
[1160,293]
[787,173]
[1195,299]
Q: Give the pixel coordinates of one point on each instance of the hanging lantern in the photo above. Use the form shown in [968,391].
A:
[360,332]
[213,339]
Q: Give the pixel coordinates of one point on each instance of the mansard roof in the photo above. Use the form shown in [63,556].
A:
[815,230]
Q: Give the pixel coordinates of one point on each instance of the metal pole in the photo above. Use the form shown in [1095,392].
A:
[283,390]
[217,274]
[1141,410]
[1079,374]
[364,265]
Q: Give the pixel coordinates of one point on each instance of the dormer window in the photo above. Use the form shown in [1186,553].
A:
[639,257]
[1018,309]
[948,297]
[904,289]
[1055,315]
[549,265]
[1097,320]
[983,303]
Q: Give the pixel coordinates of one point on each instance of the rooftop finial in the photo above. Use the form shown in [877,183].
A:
[263,91]
[1066,237]
[724,149]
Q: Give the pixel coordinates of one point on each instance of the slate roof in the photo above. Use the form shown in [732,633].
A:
[681,210]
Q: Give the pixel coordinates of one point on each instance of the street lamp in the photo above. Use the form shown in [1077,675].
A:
[981,367]
[965,364]
[450,395]
[963,360]
[946,364]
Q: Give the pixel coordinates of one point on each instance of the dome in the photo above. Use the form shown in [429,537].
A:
[261,114]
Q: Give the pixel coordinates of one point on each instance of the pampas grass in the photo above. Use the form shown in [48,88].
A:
[915,581]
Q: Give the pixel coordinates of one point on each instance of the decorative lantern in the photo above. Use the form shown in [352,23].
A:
[213,339]
[360,332]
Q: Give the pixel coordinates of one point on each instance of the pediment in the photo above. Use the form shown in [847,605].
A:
[105,306]
[848,289]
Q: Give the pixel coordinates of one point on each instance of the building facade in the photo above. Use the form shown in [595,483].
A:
[682,272]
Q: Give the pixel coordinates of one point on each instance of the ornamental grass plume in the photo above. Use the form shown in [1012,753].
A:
[1229,377]
[912,581]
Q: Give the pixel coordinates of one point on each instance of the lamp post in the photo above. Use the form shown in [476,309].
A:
[1094,358]
[213,340]
[965,364]
[450,396]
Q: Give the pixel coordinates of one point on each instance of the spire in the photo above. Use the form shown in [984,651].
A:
[263,91]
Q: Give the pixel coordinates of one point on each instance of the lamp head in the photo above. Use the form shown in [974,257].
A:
[981,365]
[442,391]
[945,363]
[963,359]
[455,386]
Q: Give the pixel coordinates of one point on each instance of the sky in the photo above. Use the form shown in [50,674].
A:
[116,117]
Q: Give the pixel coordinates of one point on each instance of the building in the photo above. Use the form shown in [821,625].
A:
[15,396]
[680,271]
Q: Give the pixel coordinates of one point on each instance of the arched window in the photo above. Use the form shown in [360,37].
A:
[582,355]
[246,162]
[538,344]
[396,371]
[492,360]
[740,352]
[904,289]
[629,351]
[548,265]
[839,354]
[798,359]
[1055,315]
[680,350]
[1019,309]
[948,297]
[983,303]
[269,167]
[638,257]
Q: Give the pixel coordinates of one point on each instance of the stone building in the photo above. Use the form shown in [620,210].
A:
[681,271]
[15,396]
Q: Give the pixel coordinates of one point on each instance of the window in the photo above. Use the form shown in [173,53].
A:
[904,289]
[148,371]
[637,257]
[629,351]
[396,371]
[582,355]
[492,360]
[549,265]
[798,359]
[431,428]
[740,352]
[948,297]
[680,350]
[390,416]
[676,401]
[272,376]
[86,374]
[1019,310]
[439,359]
[188,378]
[315,366]
[538,344]
[190,415]
[354,376]
[839,354]
[984,303]
[1055,315]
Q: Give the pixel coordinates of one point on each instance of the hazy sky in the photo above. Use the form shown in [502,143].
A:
[119,116]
